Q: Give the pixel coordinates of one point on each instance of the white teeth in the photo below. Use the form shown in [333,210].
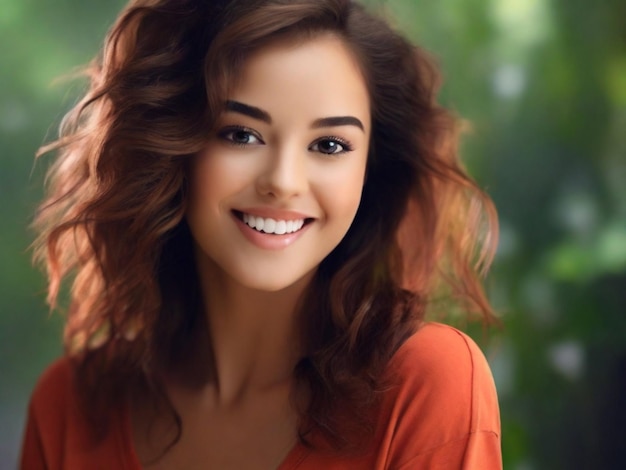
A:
[277,227]
[269,225]
[281,227]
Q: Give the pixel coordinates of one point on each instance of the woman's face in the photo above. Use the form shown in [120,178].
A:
[279,184]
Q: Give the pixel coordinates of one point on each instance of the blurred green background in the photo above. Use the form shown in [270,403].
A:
[543,83]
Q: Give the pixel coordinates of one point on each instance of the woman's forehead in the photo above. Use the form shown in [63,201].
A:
[319,75]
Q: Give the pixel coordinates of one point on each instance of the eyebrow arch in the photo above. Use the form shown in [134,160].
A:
[261,115]
[338,121]
[247,110]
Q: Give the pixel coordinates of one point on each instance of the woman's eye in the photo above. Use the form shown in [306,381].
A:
[240,136]
[330,146]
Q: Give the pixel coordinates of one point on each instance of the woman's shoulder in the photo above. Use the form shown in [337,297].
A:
[444,364]
[440,351]
[55,403]
[435,354]
[441,397]
[55,387]
[58,432]
[49,415]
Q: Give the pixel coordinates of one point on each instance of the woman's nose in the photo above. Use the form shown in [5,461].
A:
[284,175]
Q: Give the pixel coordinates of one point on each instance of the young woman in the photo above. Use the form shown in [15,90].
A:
[257,203]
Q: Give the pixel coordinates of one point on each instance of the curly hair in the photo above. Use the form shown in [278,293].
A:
[113,222]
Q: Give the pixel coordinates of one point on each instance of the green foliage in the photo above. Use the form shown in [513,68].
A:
[543,83]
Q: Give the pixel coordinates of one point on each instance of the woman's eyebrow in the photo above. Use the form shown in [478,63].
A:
[262,115]
[338,121]
[247,110]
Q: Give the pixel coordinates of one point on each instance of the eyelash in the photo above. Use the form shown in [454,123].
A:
[346,146]
[225,133]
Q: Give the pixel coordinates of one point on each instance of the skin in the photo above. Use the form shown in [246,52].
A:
[274,154]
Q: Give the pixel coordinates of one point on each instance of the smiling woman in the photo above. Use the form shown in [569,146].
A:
[293,158]
[256,203]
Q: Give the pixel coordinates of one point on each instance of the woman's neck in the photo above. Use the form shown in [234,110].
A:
[253,335]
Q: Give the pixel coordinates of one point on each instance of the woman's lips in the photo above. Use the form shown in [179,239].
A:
[273,226]
[272,233]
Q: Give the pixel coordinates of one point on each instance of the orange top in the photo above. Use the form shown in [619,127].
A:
[443,414]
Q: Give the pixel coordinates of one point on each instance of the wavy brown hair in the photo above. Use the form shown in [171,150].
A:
[113,222]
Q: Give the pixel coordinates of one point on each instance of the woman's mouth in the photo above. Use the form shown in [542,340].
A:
[272,226]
